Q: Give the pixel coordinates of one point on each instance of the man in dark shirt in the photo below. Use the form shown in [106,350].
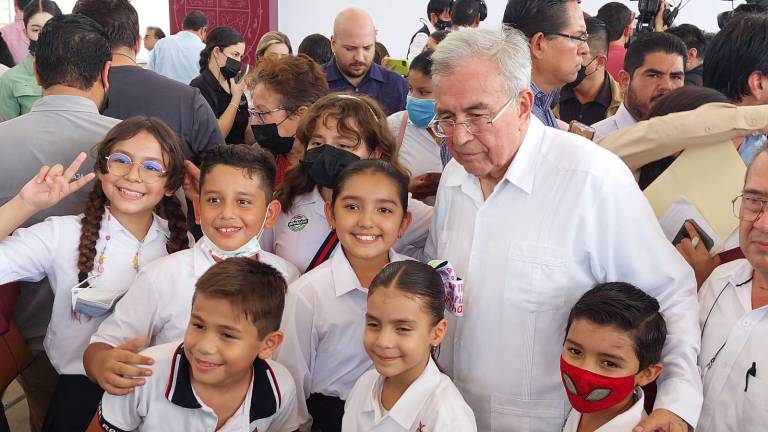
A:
[352,67]
[595,95]
[134,90]
[697,48]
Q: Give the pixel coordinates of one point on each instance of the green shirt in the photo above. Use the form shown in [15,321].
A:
[18,90]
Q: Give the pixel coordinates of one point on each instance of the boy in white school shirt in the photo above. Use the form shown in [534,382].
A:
[220,377]
[236,186]
[613,344]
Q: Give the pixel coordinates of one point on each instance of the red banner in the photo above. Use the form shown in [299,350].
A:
[252,18]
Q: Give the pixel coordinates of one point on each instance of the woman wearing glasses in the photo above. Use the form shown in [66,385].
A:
[282,90]
[221,86]
[91,259]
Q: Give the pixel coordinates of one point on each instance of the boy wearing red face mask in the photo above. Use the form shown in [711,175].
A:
[613,344]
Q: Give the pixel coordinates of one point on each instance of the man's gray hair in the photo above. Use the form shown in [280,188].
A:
[509,48]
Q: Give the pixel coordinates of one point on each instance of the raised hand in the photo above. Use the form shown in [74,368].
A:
[53,184]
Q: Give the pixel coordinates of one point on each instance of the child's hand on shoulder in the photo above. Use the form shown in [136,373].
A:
[53,184]
[117,371]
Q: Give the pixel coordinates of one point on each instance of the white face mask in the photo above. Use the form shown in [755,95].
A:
[249,249]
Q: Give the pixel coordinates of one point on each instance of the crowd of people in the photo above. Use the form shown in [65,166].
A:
[319,241]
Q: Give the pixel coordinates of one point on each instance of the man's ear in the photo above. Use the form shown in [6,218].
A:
[648,374]
[538,44]
[273,211]
[757,84]
[624,79]
[333,44]
[37,75]
[137,45]
[601,61]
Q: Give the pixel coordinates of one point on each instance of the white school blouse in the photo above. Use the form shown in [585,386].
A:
[298,233]
[566,215]
[733,339]
[159,302]
[168,402]
[431,403]
[419,153]
[50,249]
[623,422]
[323,323]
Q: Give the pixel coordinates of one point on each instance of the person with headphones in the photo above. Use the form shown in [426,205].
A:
[468,13]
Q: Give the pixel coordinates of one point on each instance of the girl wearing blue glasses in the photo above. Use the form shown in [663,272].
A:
[91,259]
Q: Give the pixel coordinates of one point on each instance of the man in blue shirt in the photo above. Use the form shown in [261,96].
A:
[352,67]
[177,57]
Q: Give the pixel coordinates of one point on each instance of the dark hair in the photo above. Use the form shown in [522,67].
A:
[5,54]
[692,37]
[256,288]
[374,166]
[439,35]
[317,47]
[158,32]
[423,63]
[173,161]
[40,6]
[71,51]
[649,43]
[380,52]
[21,4]
[534,16]
[465,12]
[356,115]
[438,7]
[616,17]
[416,280]
[253,160]
[296,80]
[630,309]
[220,37]
[194,21]
[737,51]
[118,17]
[598,36]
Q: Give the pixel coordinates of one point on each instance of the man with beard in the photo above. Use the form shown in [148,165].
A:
[352,68]
[654,66]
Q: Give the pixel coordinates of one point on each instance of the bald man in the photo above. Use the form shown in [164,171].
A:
[352,68]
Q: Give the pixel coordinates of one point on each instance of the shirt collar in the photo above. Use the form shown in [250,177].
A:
[344,277]
[157,229]
[265,393]
[332,72]
[623,118]
[65,103]
[201,259]
[541,97]
[605,95]
[740,275]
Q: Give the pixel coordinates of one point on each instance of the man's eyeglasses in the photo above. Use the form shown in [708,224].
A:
[260,114]
[474,125]
[578,39]
[149,171]
[748,208]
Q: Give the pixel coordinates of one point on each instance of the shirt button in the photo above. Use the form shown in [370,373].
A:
[746,324]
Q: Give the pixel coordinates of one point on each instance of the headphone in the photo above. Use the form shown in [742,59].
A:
[482,9]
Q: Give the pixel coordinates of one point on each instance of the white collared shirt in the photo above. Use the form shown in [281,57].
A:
[418,153]
[298,233]
[431,403]
[622,119]
[168,401]
[159,302]
[732,340]
[50,249]
[623,422]
[323,323]
[566,215]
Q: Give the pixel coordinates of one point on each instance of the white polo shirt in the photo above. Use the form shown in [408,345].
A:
[431,403]
[566,215]
[298,233]
[50,249]
[419,152]
[168,402]
[733,339]
[622,119]
[324,322]
[159,302]
[623,422]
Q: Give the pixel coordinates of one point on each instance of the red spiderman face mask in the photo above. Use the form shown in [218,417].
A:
[589,392]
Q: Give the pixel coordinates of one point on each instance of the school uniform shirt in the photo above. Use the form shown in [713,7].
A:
[299,232]
[323,323]
[419,153]
[159,303]
[622,119]
[431,403]
[50,249]
[732,341]
[623,422]
[168,401]
[566,215]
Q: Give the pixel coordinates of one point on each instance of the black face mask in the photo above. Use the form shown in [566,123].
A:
[32,46]
[443,25]
[325,163]
[581,75]
[230,69]
[267,137]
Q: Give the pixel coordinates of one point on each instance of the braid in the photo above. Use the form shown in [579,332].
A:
[177,224]
[89,231]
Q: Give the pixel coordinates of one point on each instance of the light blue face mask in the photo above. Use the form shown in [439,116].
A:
[249,249]
[420,111]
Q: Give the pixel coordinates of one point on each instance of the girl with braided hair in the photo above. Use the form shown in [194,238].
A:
[91,259]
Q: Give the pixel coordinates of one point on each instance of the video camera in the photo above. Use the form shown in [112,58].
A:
[756,5]
[646,17]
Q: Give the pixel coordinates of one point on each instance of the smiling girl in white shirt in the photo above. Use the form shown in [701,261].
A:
[323,322]
[92,258]
[405,324]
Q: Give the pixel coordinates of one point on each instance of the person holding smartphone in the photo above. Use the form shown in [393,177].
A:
[221,84]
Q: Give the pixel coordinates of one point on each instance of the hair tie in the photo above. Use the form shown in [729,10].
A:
[453,286]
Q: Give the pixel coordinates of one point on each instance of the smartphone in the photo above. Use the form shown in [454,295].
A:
[579,128]
[242,74]
[683,234]
[398,65]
